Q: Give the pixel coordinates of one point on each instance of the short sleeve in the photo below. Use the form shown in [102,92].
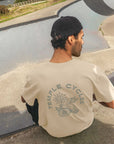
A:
[103,88]
[30,91]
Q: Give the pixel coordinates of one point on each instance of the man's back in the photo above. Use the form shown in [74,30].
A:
[65,94]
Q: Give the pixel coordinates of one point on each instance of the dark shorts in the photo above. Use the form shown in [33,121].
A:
[33,110]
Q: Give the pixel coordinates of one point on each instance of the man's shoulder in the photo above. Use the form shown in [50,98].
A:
[83,62]
[41,63]
[37,67]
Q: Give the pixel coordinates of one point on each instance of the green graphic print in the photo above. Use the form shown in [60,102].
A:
[65,105]
[62,101]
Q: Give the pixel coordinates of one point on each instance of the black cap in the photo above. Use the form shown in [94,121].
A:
[66,26]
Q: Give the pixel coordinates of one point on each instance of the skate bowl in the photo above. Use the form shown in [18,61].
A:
[24,45]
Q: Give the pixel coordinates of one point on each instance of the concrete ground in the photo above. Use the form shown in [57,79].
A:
[101,132]
[102,129]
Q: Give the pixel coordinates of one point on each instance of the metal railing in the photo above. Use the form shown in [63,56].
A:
[26,2]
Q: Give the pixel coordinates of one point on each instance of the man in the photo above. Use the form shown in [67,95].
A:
[65,85]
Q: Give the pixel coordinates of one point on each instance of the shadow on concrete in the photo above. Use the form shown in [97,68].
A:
[98,133]
[11,120]
[100,7]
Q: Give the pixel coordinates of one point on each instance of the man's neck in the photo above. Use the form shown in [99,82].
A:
[61,56]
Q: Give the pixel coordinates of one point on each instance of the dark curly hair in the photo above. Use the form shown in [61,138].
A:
[60,43]
[62,29]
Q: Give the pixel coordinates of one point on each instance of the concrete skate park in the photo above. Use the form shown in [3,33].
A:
[25,41]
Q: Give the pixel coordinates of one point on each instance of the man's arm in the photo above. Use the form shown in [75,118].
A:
[110,104]
[103,88]
[107,104]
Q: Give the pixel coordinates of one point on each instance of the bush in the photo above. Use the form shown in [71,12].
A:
[3,9]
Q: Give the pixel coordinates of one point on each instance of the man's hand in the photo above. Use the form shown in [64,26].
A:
[22,99]
[107,104]
[110,104]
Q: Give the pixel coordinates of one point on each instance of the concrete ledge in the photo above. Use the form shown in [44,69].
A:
[108,30]
[103,58]
[108,26]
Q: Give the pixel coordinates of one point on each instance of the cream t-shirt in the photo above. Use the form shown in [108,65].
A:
[65,95]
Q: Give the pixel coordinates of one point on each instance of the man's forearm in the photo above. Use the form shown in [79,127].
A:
[110,104]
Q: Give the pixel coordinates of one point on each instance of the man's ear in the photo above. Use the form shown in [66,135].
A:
[70,39]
